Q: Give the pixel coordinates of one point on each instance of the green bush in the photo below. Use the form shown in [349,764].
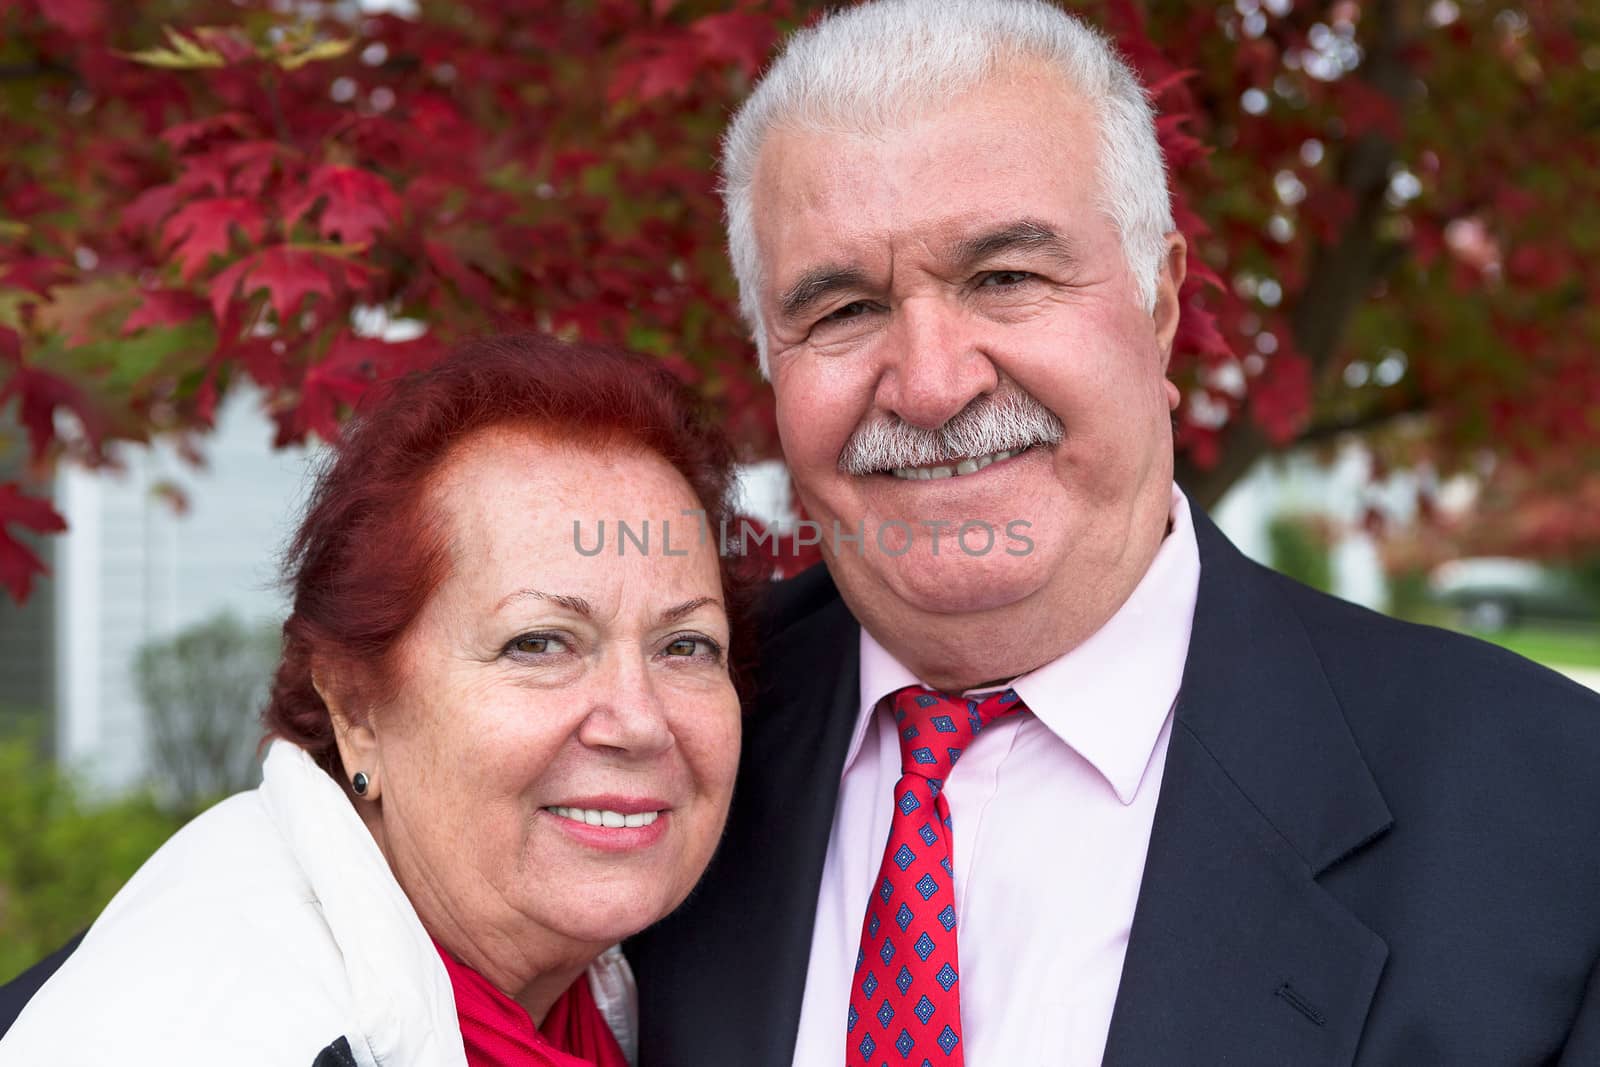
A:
[1299,549]
[1410,599]
[62,857]
[202,691]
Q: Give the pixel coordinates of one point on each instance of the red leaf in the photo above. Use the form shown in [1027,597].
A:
[30,512]
[665,66]
[18,563]
[1201,444]
[251,164]
[288,274]
[39,393]
[1280,399]
[1366,109]
[1539,267]
[146,211]
[447,264]
[36,273]
[223,289]
[737,37]
[203,229]
[163,307]
[1329,208]
[1198,334]
[353,366]
[359,204]
[78,18]
[173,495]
[263,359]
[185,136]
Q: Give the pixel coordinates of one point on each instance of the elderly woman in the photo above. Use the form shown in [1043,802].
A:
[494,756]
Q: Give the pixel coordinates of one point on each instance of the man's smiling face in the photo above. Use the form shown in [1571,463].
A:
[962,267]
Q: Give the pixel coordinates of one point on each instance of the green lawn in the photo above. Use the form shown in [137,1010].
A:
[1554,646]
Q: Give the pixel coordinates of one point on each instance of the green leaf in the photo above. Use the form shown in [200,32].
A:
[134,360]
[182,54]
[313,53]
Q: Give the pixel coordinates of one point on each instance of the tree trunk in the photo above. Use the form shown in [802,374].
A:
[1340,274]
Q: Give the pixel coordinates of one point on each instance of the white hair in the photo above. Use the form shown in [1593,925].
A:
[883,63]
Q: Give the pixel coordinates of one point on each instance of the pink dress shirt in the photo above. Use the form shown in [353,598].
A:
[1052,816]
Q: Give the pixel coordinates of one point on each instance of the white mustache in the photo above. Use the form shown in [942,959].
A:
[997,422]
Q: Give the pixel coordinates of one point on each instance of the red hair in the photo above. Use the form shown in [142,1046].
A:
[367,555]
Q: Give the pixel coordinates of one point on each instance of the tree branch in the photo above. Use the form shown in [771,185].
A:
[19,72]
[1372,419]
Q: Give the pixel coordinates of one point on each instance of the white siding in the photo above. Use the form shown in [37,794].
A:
[131,570]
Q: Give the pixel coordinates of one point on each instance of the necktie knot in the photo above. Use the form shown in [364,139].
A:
[935,728]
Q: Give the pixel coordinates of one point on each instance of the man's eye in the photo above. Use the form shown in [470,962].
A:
[854,309]
[1002,278]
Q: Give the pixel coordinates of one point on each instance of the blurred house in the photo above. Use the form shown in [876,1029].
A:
[133,568]
[1338,496]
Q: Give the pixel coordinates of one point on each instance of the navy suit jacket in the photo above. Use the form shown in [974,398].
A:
[1375,843]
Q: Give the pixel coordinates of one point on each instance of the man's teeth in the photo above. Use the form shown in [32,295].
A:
[600,817]
[966,466]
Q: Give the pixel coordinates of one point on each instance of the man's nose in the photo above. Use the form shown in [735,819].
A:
[626,713]
[936,366]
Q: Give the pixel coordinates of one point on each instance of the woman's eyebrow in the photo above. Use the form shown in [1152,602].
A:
[678,611]
[574,604]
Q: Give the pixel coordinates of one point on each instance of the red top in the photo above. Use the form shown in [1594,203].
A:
[497,1032]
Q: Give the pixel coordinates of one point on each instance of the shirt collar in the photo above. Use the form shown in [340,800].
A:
[1109,697]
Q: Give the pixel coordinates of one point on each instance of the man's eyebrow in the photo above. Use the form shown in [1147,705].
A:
[572,603]
[816,284]
[1023,235]
[688,607]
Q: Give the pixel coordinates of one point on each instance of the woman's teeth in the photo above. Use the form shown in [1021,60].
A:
[966,466]
[600,817]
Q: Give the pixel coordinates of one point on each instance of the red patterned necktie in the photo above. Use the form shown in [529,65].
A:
[905,998]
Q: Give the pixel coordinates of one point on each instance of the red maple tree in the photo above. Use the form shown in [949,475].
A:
[1391,208]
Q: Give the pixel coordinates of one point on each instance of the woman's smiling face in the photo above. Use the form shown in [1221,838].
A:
[542,690]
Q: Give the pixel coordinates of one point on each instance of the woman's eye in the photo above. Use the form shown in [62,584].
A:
[534,644]
[1002,278]
[692,646]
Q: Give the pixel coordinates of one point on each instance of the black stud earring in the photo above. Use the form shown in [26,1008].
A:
[359,783]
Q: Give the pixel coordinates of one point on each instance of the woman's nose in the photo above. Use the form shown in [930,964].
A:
[626,714]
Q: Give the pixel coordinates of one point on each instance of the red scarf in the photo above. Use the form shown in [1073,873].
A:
[498,1033]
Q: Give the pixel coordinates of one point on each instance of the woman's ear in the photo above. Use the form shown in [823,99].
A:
[358,744]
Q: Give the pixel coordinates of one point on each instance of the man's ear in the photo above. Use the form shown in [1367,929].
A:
[353,733]
[1169,281]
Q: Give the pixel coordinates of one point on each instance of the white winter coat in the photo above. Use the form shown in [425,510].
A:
[261,933]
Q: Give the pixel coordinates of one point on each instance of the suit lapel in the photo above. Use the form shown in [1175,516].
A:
[1237,955]
[734,957]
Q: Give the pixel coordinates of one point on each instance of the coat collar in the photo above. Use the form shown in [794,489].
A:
[1236,953]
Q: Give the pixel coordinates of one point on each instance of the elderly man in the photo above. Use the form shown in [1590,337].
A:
[1201,814]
